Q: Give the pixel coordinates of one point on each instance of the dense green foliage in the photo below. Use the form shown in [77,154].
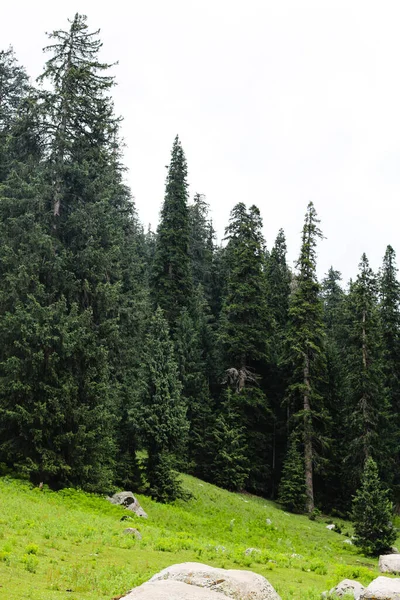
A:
[127,356]
[373,514]
[292,488]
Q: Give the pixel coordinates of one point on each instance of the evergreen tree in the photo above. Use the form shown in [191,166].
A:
[373,513]
[171,279]
[80,280]
[201,244]
[161,410]
[332,492]
[292,487]
[193,340]
[306,348]
[228,448]
[278,278]
[17,103]
[368,426]
[243,333]
[244,317]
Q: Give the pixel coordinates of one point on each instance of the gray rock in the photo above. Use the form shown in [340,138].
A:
[249,551]
[389,563]
[172,590]
[128,500]
[239,585]
[134,532]
[332,526]
[348,586]
[382,588]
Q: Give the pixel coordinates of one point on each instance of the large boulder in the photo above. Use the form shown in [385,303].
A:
[348,586]
[389,563]
[172,590]
[128,500]
[239,585]
[382,588]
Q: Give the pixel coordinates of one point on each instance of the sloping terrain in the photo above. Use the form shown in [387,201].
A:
[71,545]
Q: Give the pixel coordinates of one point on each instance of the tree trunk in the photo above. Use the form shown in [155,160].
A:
[308,449]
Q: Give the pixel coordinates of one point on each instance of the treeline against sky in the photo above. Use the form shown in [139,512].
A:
[127,355]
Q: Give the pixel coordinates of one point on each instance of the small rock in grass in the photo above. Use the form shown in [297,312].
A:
[128,500]
[349,542]
[348,587]
[134,532]
[331,526]
[268,521]
[249,551]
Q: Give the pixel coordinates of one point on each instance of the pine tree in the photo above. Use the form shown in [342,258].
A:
[389,308]
[305,342]
[373,513]
[292,487]
[228,448]
[171,279]
[161,410]
[244,316]
[191,339]
[80,281]
[331,480]
[368,425]
[201,244]
[17,102]
[278,278]
[243,333]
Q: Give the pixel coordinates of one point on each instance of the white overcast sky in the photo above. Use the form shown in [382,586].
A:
[277,103]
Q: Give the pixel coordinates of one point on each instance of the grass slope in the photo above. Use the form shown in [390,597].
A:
[71,545]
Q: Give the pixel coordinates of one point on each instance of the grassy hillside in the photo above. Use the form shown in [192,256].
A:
[70,545]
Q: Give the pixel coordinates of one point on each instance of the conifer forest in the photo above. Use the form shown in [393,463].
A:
[129,355]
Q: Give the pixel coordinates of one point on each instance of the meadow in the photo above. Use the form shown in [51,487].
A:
[71,545]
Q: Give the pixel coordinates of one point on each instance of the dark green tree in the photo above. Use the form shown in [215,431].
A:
[244,317]
[373,513]
[201,244]
[228,448]
[368,425]
[305,343]
[17,106]
[389,309]
[243,332]
[292,487]
[332,492]
[194,352]
[161,410]
[278,279]
[74,231]
[171,278]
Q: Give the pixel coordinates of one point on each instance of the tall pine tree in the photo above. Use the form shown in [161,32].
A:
[305,342]
[368,425]
[161,410]
[171,278]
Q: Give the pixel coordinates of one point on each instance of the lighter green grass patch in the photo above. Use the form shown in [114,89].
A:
[71,545]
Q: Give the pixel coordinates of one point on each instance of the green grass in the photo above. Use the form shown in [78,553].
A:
[70,545]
